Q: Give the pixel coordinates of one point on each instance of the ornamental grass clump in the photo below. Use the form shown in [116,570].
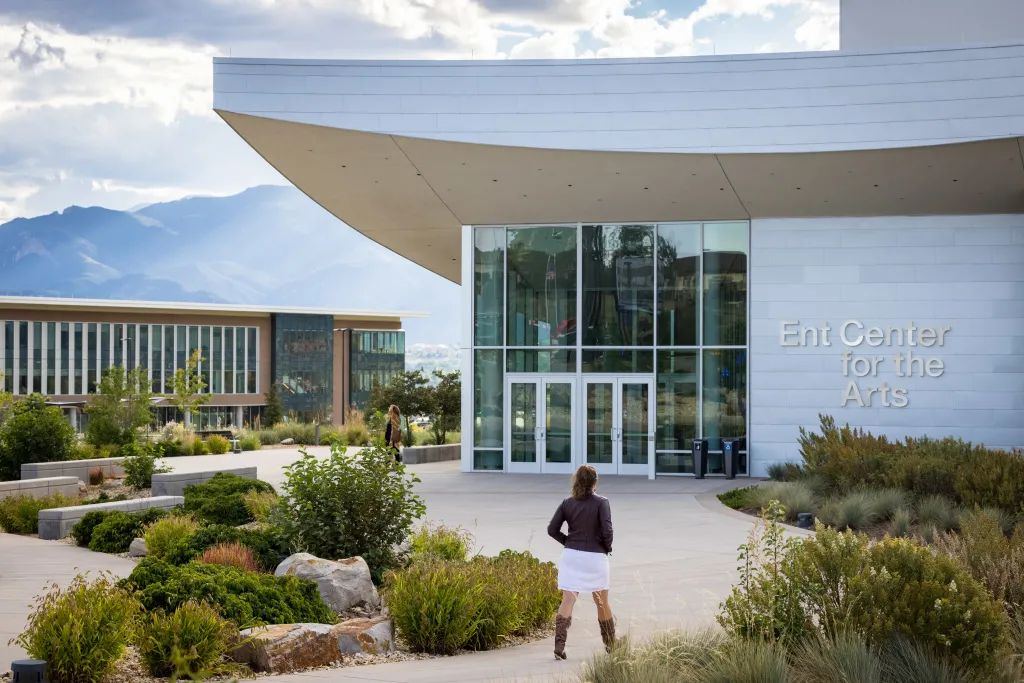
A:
[193,641]
[230,555]
[939,513]
[857,510]
[20,514]
[795,497]
[441,542]
[163,535]
[81,631]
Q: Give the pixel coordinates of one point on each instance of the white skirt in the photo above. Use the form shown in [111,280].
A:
[581,572]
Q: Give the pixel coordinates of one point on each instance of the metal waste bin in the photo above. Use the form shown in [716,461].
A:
[731,453]
[700,457]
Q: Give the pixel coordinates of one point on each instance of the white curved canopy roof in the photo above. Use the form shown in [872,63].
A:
[407,152]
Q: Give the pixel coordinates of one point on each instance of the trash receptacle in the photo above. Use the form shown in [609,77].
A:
[29,671]
[731,453]
[700,457]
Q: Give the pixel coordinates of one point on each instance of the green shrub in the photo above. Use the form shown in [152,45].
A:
[441,542]
[140,464]
[115,533]
[992,478]
[80,631]
[20,514]
[250,442]
[938,512]
[267,545]
[245,598]
[926,468]
[777,471]
[217,444]
[169,448]
[349,505]
[83,528]
[103,497]
[749,661]
[887,501]
[260,504]
[194,641]
[33,432]
[736,498]
[846,458]
[268,437]
[220,500]
[442,606]
[894,588]
[165,534]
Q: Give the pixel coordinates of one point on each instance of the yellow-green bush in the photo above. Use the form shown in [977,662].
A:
[164,534]
[20,514]
[217,445]
[81,631]
[193,641]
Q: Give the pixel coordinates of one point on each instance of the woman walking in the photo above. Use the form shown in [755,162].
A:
[584,565]
[393,432]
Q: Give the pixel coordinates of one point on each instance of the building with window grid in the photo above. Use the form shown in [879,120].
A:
[61,348]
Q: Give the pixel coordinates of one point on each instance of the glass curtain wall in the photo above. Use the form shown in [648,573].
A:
[668,300]
[303,365]
[375,356]
[68,358]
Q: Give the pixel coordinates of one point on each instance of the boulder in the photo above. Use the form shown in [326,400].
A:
[287,442]
[288,647]
[366,636]
[343,584]
[138,548]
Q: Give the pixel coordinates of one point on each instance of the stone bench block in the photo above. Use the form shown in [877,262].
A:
[56,523]
[174,483]
[39,488]
[72,468]
[415,455]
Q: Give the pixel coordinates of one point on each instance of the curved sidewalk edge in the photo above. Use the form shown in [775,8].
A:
[709,501]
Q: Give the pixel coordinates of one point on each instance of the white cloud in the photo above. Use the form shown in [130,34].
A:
[547,46]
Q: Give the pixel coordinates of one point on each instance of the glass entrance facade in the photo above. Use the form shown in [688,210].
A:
[647,322]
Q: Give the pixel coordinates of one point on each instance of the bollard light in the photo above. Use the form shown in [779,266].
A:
[805,520]
[29,671]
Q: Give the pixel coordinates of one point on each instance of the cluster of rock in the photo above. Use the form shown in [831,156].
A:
[346,586]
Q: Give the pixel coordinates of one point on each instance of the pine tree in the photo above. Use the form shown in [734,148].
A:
[273,412]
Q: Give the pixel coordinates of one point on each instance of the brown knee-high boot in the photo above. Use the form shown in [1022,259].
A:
[562,625]
[608,633]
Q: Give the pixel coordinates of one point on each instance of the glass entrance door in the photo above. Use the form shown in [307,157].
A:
[541,424]
[619,425]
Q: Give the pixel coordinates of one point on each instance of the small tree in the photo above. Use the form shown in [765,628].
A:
[273,411]
[408,390]
[187,385]
[122,405]
[34,432]
[6,401]
[445,404]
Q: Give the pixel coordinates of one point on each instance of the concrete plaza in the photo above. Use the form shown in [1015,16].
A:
[673,562]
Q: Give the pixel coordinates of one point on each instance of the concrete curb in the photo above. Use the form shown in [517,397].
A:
[709,501]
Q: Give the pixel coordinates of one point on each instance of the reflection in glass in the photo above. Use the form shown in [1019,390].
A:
[37,357]
[78,386]
[65,360]
[617,360]
[488,460]
[558,418]
[144,346]
[488,287]
[376,357]
[168,358]
[205,356]
[488,381]
[8,369]
[118,343]
[527,360]
[181,346]
[541,283]
[239,360]
[725,398]
[725,284]
[158,358]
[678,283]
[303,364]
[229,360]
[677,410]
[51,359]
[618,285]
[23,358]
[93,358]
[636,435]
[524,421]
[600,410]
[130,335]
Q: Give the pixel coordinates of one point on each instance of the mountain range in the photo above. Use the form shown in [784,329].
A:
[268,246]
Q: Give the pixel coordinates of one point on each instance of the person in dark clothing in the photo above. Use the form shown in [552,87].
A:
[584,565]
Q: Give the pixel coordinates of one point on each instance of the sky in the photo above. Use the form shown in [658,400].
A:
[109,102]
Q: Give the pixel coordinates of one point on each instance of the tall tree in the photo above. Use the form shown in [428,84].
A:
[122,405]
[273,412]
[187,385]
[445,404]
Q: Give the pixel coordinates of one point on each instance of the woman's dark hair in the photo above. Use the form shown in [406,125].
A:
[584,482]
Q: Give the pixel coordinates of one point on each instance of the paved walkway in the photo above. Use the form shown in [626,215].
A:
[674,560]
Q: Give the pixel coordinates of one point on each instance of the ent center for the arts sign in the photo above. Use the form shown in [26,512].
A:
[904,346]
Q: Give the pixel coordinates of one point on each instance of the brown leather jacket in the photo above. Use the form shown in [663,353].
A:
[590,524]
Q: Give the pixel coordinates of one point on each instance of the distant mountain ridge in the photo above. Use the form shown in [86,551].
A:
[269,245]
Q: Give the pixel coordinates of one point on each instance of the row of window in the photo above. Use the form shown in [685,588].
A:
[69,358]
